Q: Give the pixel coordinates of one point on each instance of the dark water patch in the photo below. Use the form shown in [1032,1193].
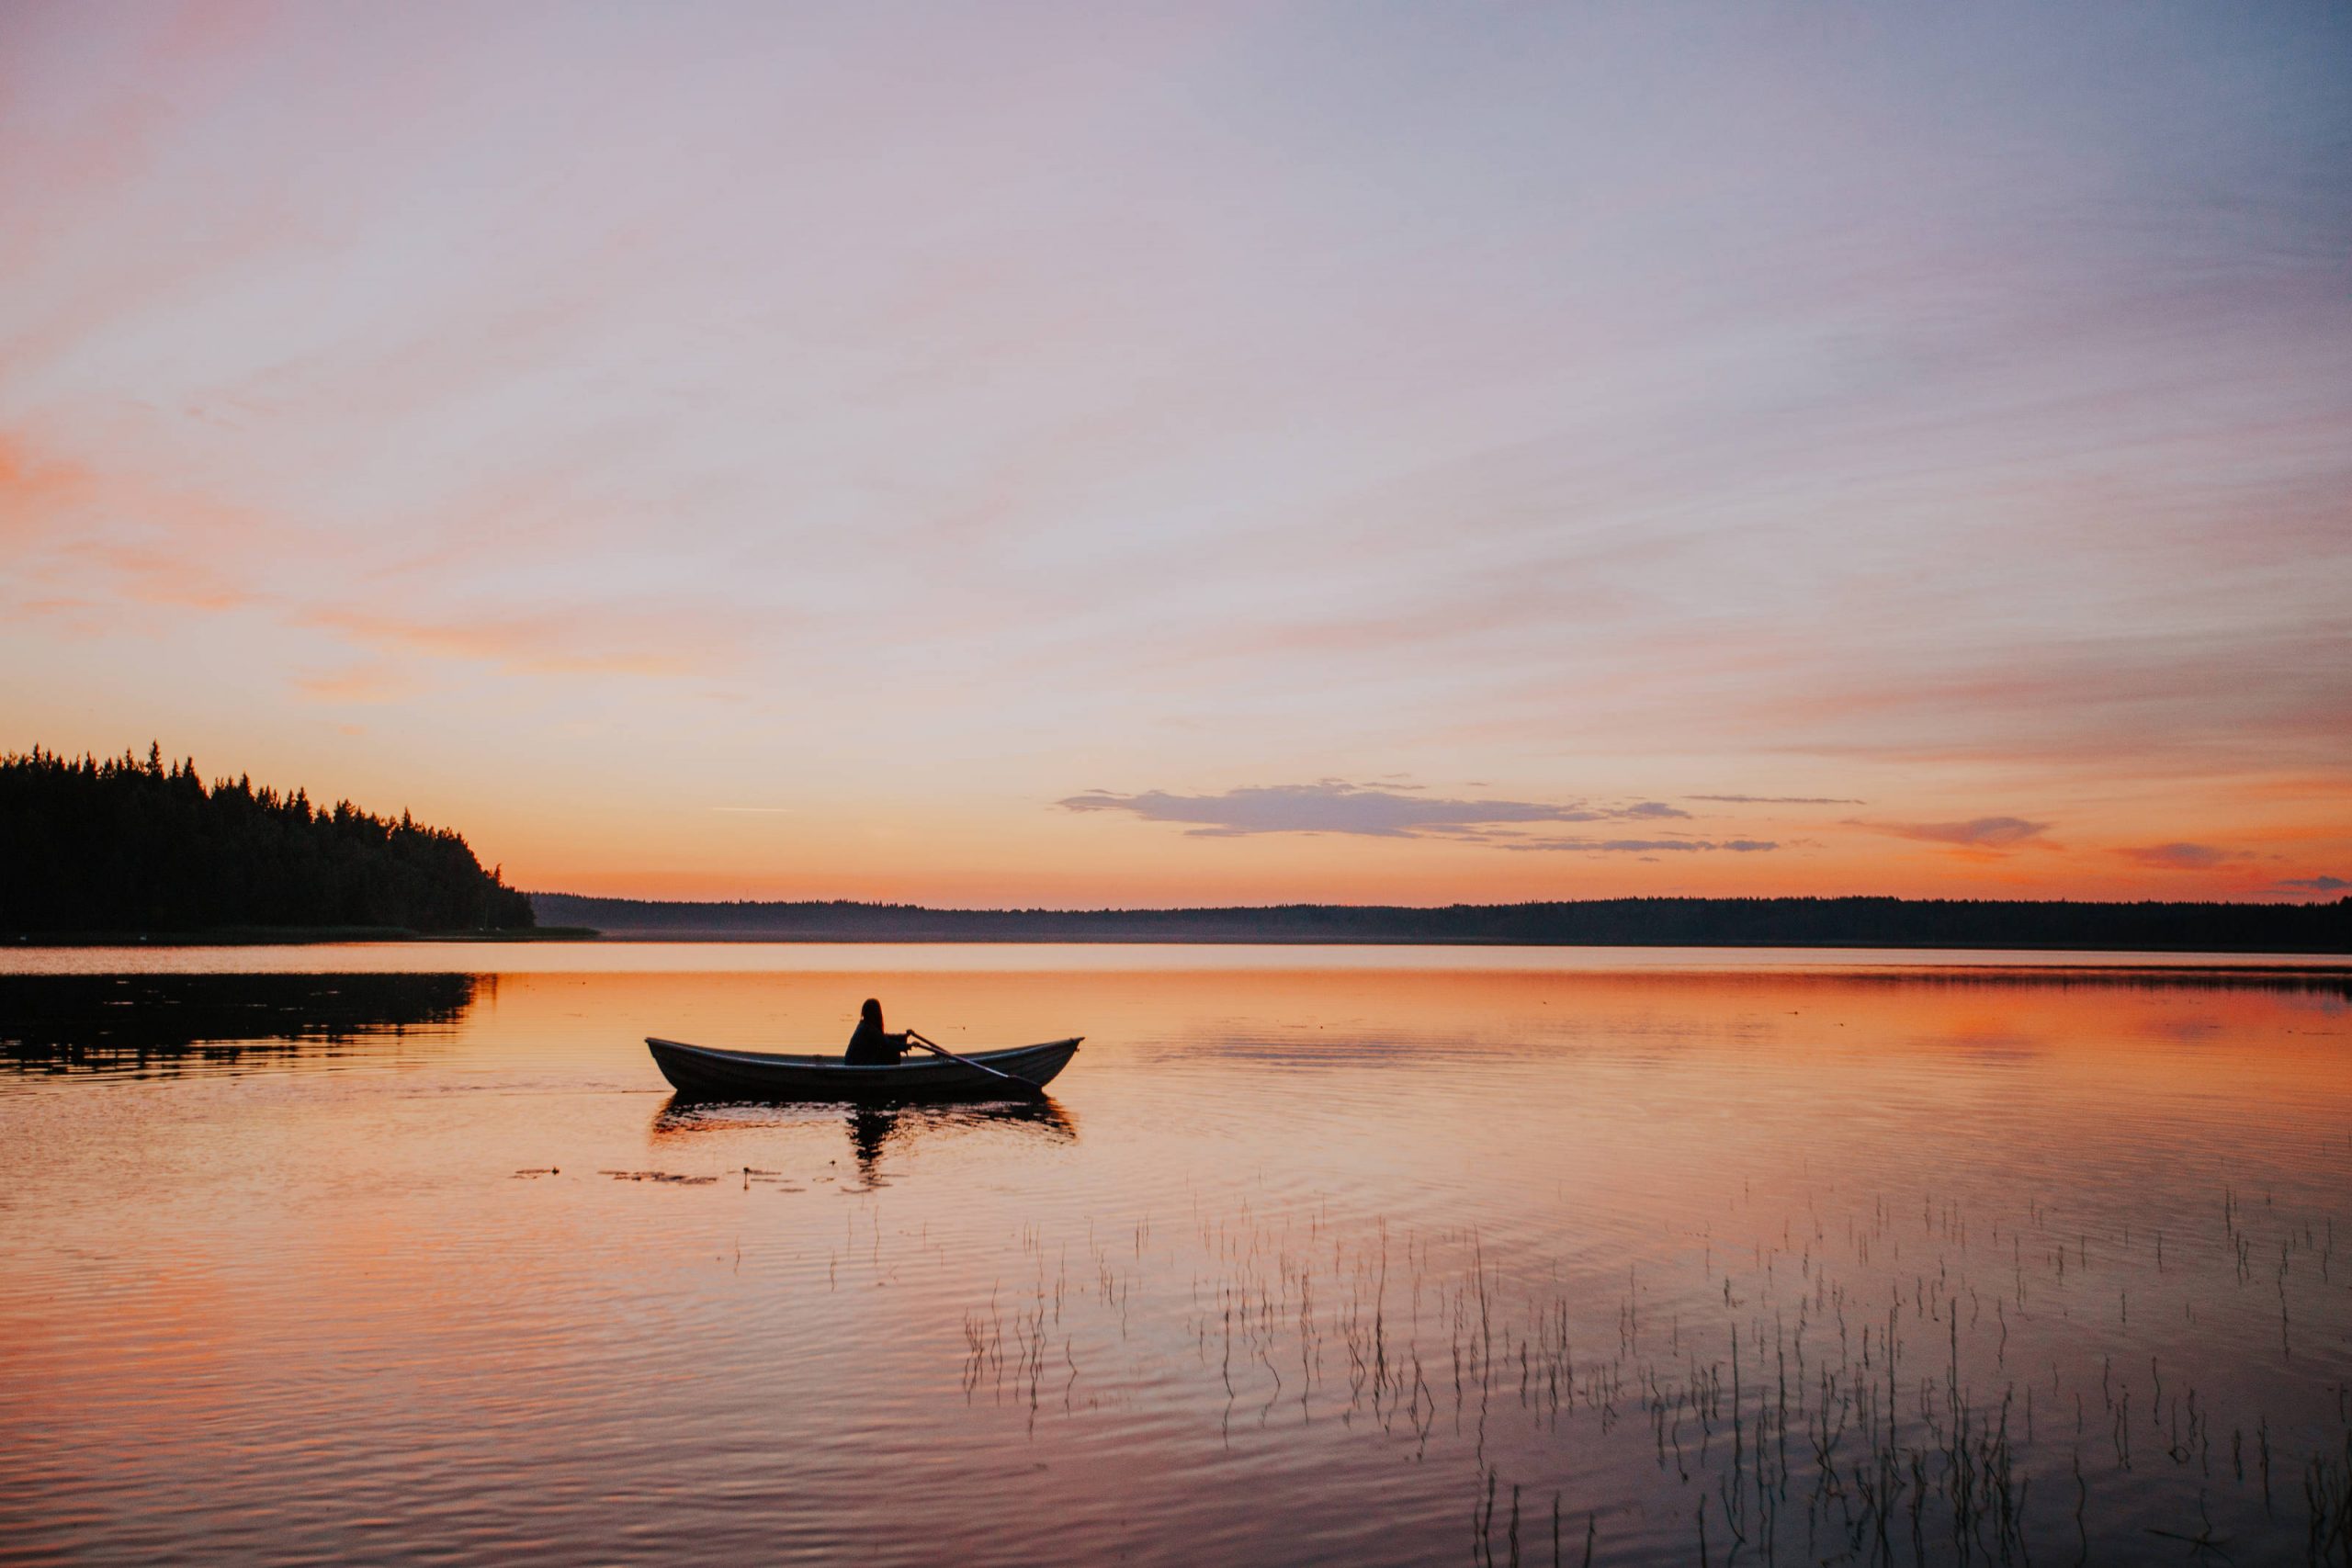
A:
[155,1023]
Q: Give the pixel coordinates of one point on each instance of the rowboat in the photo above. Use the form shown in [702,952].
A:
[708,1073]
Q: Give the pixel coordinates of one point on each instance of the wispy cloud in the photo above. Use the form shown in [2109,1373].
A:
[582,639]
[2170,700]
[1335,805]
[2182,857]
[35,491]
[1642,846]
[1979,833]
[154,576]
[1779,799]
[373,681]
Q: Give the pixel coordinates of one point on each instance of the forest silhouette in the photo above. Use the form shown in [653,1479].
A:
[124,845]
[1598,922]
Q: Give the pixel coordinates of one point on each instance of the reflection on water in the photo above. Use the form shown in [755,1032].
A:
[1349,1264]
[159,1023]
[872,1127]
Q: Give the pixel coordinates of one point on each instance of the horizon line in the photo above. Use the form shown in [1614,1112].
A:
[2253,901]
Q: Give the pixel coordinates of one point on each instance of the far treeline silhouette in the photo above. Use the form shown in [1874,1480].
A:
[1598,922]
[125,845]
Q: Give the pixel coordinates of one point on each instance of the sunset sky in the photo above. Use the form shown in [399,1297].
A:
[1119,455]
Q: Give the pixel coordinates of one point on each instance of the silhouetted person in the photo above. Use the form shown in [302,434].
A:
[870,1047]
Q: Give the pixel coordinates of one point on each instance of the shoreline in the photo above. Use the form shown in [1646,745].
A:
[1844,924]
[287,936]
[2236,960]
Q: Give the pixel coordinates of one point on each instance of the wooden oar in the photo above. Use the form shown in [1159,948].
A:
[1029,1089]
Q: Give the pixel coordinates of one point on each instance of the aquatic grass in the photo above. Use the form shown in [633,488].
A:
[1851,1396]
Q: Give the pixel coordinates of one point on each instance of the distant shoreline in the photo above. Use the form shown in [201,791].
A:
[1854,923]
[1833,924]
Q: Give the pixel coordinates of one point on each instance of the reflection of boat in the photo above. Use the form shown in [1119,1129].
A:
[766,1074]
[872,1128]
[870,1125]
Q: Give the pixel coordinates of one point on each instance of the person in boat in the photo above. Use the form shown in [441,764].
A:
[870,1046]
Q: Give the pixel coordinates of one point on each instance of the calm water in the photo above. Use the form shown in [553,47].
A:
[1381,1255]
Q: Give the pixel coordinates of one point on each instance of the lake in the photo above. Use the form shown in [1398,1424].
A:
[1315,1256]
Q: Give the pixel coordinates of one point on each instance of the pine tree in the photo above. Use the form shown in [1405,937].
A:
[131,845]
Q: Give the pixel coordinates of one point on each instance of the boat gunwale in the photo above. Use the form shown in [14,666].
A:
[828,1063]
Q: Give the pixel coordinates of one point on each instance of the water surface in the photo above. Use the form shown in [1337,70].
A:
[1372,1255]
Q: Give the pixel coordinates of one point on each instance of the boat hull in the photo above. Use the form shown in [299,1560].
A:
[703,1073]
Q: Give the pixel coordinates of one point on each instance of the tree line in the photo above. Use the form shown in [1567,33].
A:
[127,845]
[2149,926]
